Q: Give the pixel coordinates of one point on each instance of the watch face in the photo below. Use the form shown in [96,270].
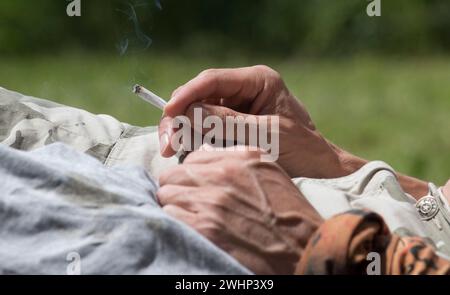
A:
[427,207]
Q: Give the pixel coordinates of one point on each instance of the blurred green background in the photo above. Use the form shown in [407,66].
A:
[379,87]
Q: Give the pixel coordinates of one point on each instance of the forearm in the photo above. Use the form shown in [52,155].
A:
[350,163]
[415,187]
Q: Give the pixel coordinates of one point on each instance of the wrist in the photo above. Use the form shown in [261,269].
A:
[335,162]
[348,163]
[413,186]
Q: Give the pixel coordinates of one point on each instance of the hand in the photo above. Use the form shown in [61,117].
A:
[257,91]
[249,208]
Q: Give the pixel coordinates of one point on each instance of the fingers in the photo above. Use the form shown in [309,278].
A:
[178,195]
[186,175]
[211,155]
[244,89]
[192,175]
[244,84]
[212,110]
[181,214]
[174,93]
[235,127]
[206,166]
[165,130]
[204,156]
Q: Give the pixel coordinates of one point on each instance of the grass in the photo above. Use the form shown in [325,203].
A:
[396,110]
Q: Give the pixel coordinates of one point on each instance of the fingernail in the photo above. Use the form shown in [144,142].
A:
[163,142]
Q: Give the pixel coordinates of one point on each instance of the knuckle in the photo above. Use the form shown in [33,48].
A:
[276,76]
[164,176]
[221,198]
[253,154]
[268,71]
[230,169]
[263,68]
[209,79]
[220,174]
[192,157]
[167,194]
[273,78]
[196,156]
[164,191]
[208,72]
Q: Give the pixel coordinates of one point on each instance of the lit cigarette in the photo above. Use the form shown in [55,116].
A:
[149,97]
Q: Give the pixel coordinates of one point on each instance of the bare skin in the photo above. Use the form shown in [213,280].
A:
[250,208]
[259,91]
[446,190]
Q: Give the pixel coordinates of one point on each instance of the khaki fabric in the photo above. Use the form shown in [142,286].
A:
[27,123]
[375,188]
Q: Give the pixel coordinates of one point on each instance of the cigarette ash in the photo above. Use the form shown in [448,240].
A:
[149,97]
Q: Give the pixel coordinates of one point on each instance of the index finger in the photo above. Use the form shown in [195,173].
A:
[241,83]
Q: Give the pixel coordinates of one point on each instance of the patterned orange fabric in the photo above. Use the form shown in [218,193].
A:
[346,243]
